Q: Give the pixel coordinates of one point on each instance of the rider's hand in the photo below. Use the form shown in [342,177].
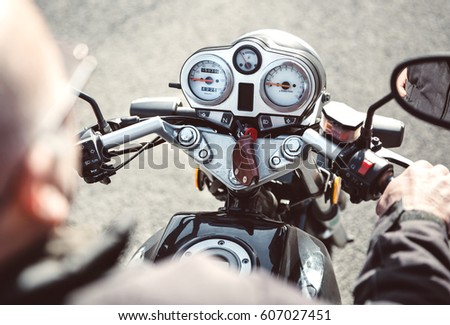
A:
[401,83]
[423,187]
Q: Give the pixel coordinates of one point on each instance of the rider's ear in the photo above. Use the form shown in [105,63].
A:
[39,195]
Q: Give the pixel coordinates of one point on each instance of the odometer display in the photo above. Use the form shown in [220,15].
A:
[208,70]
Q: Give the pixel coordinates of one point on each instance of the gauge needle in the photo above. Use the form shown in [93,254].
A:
[202,79]
[247,64]
[283,85]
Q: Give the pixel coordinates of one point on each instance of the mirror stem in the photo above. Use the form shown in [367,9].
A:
[102,124]
[366,132]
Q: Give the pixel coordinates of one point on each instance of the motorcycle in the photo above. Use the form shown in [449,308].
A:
[271,144]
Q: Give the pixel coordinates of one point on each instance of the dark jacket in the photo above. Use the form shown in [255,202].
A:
[428,89]
[93,275]
[408,261]
[54,268]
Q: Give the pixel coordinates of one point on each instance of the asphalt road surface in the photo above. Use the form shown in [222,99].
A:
[140,47]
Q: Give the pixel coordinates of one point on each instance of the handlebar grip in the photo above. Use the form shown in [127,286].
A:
[384,181]
[159,106]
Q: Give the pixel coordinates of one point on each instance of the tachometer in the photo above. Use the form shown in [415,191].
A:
[286,86]
[210,80]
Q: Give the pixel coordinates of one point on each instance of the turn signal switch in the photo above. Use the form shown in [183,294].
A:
[92,159]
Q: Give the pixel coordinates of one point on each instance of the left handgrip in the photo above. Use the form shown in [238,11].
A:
[93,147]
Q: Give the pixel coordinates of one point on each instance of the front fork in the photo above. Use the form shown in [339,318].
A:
[317,206]
[325,221]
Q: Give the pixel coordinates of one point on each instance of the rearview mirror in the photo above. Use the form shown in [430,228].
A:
[422,87]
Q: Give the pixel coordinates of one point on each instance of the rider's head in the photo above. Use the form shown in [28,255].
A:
[37,155]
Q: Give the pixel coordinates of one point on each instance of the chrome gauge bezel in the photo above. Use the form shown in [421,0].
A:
[186,73]
[256,53]
[309,90]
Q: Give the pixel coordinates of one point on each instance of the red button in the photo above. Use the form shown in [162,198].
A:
[365,167]
[253,133]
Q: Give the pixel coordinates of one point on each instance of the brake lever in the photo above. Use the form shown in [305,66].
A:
[394,157]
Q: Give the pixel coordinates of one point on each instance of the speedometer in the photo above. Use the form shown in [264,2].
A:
[210,80]
[286,86]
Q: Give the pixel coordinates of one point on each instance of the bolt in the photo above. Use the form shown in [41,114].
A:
[187,136]
[203,153]
[293,145]
[376,144]
[276,160]
[245,261]
[221,242]
[233,179]
[326,98]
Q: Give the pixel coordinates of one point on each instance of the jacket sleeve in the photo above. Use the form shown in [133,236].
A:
[408,261]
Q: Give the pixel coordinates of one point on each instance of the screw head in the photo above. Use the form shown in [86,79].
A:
[276,160]
[203,153]
[293,145]
[187,136]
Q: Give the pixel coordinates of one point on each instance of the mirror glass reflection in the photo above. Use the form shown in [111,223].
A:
[425,88]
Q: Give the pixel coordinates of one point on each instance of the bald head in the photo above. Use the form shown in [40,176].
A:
[31,77]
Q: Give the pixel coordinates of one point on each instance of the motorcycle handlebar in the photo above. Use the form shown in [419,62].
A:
[131,133]
[364,173]
[321,144]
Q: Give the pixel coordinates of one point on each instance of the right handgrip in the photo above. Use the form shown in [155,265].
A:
[384,181]
[364,174]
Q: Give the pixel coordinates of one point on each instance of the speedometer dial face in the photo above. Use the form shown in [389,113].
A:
[286,87]
[210,81]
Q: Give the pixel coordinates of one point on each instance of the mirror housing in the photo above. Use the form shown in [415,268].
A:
[422,87]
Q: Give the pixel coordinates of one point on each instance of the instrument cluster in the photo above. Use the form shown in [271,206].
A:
[251,79]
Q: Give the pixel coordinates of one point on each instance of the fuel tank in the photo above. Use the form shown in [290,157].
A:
[246,242]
